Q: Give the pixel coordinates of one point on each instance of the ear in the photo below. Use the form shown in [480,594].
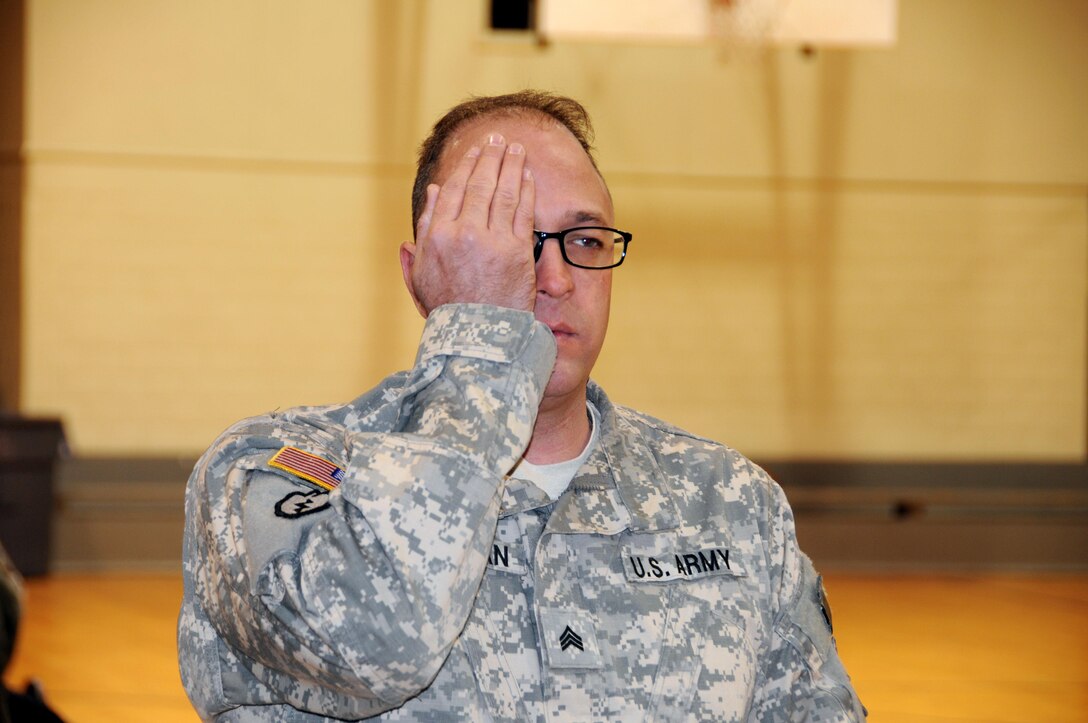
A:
[407,259]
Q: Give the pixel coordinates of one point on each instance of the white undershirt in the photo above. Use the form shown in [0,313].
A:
[555,478]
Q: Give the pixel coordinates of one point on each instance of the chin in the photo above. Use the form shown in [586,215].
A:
[565,382]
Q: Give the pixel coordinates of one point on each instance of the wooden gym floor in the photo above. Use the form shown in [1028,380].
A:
[921,648]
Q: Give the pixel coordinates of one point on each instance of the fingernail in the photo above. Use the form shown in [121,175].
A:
[496,139]
[516,149]
[527,174]
[473,152]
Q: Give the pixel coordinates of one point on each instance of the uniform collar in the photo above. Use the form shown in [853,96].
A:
[620,486]
[520,495]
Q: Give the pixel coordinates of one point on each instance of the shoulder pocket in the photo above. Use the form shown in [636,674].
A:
[807,625]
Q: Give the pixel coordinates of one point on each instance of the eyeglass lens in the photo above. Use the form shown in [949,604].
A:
[593,247]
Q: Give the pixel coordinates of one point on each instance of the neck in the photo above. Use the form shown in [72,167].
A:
[562,430]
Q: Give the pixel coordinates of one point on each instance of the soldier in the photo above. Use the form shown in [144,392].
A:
[486,536]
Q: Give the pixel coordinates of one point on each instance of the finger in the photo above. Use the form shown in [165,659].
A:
[504,201]
[423,225]
[480,188]
[451,195]
[525,214]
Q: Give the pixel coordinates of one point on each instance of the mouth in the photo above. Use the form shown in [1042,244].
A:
[559,327]
[561,331]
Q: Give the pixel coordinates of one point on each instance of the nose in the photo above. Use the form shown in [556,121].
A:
[553,274]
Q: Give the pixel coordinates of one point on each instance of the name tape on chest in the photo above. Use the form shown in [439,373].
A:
[309,467]
[504,558]
[680,565]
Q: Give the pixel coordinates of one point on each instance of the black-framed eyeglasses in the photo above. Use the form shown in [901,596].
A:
[587,247]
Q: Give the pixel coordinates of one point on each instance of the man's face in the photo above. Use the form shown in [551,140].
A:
[572,302]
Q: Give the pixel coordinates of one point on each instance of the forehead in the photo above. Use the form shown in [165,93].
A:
[563,173]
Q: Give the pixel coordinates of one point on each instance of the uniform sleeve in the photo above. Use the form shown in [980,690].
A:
[801,676]
[359,593]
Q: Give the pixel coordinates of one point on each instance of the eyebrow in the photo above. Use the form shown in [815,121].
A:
[588,217]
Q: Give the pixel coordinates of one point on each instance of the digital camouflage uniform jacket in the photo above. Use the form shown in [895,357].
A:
[665,584]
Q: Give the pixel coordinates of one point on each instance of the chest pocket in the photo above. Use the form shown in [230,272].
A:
[706,663]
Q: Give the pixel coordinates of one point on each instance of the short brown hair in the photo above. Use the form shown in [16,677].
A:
[566,111]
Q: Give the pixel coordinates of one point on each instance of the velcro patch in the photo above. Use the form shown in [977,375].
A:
[310,467]
[504,558]
[680,565]
[297,504]
[825,605]
[570,639]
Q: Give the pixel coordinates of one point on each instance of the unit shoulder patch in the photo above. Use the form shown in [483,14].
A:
[297,504]
[824,603]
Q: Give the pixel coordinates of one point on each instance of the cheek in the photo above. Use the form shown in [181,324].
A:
[599,303]
[604,294]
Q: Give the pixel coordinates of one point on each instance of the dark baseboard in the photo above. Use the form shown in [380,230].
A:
[119,513]
[127,513]
[939,516]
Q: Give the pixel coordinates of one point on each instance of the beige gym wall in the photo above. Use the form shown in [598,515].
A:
[864,254]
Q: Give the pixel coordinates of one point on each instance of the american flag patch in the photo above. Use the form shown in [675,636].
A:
[321,472]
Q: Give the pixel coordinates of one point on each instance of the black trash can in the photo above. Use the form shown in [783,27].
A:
[29,450]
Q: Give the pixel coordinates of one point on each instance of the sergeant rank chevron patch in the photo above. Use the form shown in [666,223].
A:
[570,639]
[566,647]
